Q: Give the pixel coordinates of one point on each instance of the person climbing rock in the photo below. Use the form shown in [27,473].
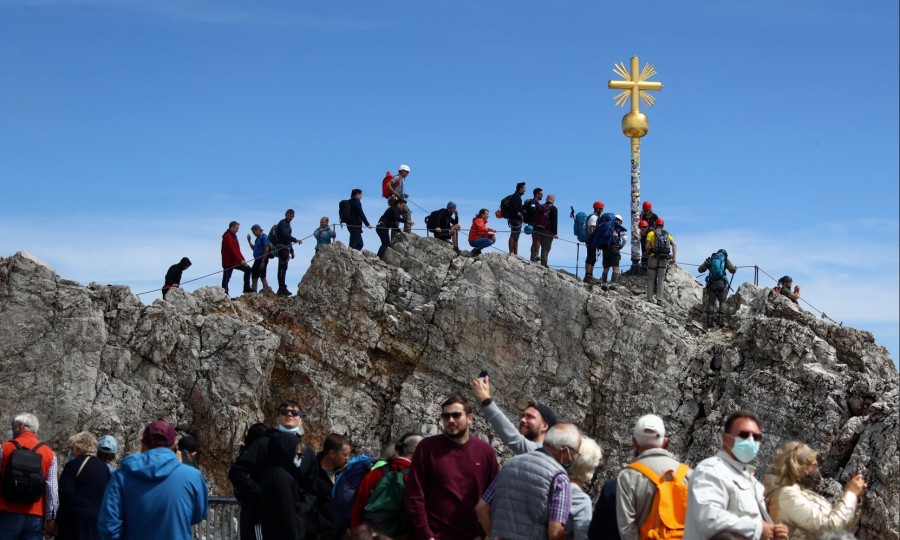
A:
[717,285]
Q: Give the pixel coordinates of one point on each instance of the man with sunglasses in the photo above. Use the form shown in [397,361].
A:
[247,471]
[724,494]
[532,495]
[449,472]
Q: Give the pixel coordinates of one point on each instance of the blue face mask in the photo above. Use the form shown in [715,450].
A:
[745,450]
[297,462]
[288,430]
[69,455]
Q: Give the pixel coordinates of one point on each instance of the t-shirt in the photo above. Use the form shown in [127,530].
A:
[592,221]
[259,246]
[446,481]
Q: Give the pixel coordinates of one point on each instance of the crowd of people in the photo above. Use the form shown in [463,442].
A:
[447,486]
[603,234]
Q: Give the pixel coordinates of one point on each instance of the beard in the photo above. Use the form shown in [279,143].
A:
[526,431]
[457,432]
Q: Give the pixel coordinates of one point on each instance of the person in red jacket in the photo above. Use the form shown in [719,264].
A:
[232,259]
[401,459]
[480,235]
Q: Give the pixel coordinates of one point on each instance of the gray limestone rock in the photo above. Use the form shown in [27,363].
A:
[371,348]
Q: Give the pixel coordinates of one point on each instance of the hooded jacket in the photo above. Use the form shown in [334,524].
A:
[153,496]
[479,229]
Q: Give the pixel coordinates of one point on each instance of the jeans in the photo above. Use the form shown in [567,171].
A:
[21,526]
[481,243]
[386,235]
[226,277]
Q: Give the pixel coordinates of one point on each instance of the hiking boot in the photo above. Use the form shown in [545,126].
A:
[283,292]
[613,286]
[248,290]
[476,252]
[589,280]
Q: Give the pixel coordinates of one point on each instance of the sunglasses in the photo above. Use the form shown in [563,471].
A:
[746,435]
[449,415]
[288,412]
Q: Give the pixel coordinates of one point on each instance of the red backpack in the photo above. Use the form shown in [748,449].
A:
[386,185]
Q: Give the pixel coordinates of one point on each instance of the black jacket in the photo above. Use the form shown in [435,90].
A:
[173,276]
[515,207]
[356,215]
[392,217]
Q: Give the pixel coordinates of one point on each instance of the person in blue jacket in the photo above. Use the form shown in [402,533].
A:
[152,495]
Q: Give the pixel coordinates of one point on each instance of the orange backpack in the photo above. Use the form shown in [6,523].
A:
[666,519]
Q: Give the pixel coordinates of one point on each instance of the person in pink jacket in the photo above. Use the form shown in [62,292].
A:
[232,259]
[480,235]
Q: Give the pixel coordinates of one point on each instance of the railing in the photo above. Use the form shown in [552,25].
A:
[222,522]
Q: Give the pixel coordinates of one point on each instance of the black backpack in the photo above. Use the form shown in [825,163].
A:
[273,241]
[661,246]
[23,479]
[529,210]
[505,210]
[433,220]
[344,210]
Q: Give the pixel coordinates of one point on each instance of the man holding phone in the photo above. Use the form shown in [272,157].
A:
[534,423]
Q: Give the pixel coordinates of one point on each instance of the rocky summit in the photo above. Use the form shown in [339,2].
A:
[371,348]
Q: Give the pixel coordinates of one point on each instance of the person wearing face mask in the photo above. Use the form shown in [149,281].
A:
[804,511]
[281,495]
[724,494]
[531,497]
[246,474]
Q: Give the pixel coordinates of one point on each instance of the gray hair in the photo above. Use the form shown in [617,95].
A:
[28,421]
[563,436]
[589,456]
[84,442]
[410,443]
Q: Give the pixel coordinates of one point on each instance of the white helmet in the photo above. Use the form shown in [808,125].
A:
[404,168]
[618,217]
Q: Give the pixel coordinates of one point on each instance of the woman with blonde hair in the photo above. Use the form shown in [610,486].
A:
[805,512]
[581,474]
[81,486]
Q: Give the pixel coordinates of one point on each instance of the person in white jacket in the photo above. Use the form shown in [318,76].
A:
[724,494]
[805,512]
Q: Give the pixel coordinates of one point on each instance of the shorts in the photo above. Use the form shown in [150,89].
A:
[258,270]
[611,258]
[515,228]
[591,256]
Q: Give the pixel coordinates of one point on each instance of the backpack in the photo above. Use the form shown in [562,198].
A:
[605,232]
[386,185]
[542,216]
[273,241]
[581,231]
[661,245]
[717,267]
[433,220]
[345,486]
[23,479]
[666,519]
[505,210]
[529,209]
[603,521]
[344,210]
[385,512]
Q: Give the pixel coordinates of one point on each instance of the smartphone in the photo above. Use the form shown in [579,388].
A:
[483,374]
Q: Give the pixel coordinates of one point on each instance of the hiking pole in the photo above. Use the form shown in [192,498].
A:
[729,283]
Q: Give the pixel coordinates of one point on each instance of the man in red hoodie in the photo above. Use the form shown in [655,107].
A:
[232,259]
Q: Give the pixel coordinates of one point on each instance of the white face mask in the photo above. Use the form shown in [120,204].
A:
[298,430]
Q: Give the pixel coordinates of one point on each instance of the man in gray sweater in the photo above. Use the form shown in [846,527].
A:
[536,420]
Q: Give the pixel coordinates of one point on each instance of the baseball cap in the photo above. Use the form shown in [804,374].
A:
[187,443]
[404,168]
[649,430]
[107,444]
[158,434]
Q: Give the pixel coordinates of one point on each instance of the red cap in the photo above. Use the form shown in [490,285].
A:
[158,434]
[647,205]
[598,205]
[660,222]
[643,223]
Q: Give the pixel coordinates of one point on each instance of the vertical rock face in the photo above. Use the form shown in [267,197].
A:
[371,348]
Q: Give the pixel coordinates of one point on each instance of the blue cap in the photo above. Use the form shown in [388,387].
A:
[107,444]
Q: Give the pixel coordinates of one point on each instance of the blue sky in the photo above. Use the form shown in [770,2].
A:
[132,132]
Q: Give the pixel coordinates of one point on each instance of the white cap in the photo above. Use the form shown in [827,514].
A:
[404,168]
[619,217]
[649,430]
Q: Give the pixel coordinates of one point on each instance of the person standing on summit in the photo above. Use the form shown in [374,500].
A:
[356,218]
[232,258]
[284,250]
[396,189]
[514,217]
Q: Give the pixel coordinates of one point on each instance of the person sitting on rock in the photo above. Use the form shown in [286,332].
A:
[446,227]
[480,235]
[784,289]
[536,420]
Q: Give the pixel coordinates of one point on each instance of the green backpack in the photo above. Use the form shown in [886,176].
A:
[385,512]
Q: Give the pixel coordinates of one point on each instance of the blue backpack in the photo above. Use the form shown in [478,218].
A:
[581,227]
[344,491]
[605,232]
[717,267]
